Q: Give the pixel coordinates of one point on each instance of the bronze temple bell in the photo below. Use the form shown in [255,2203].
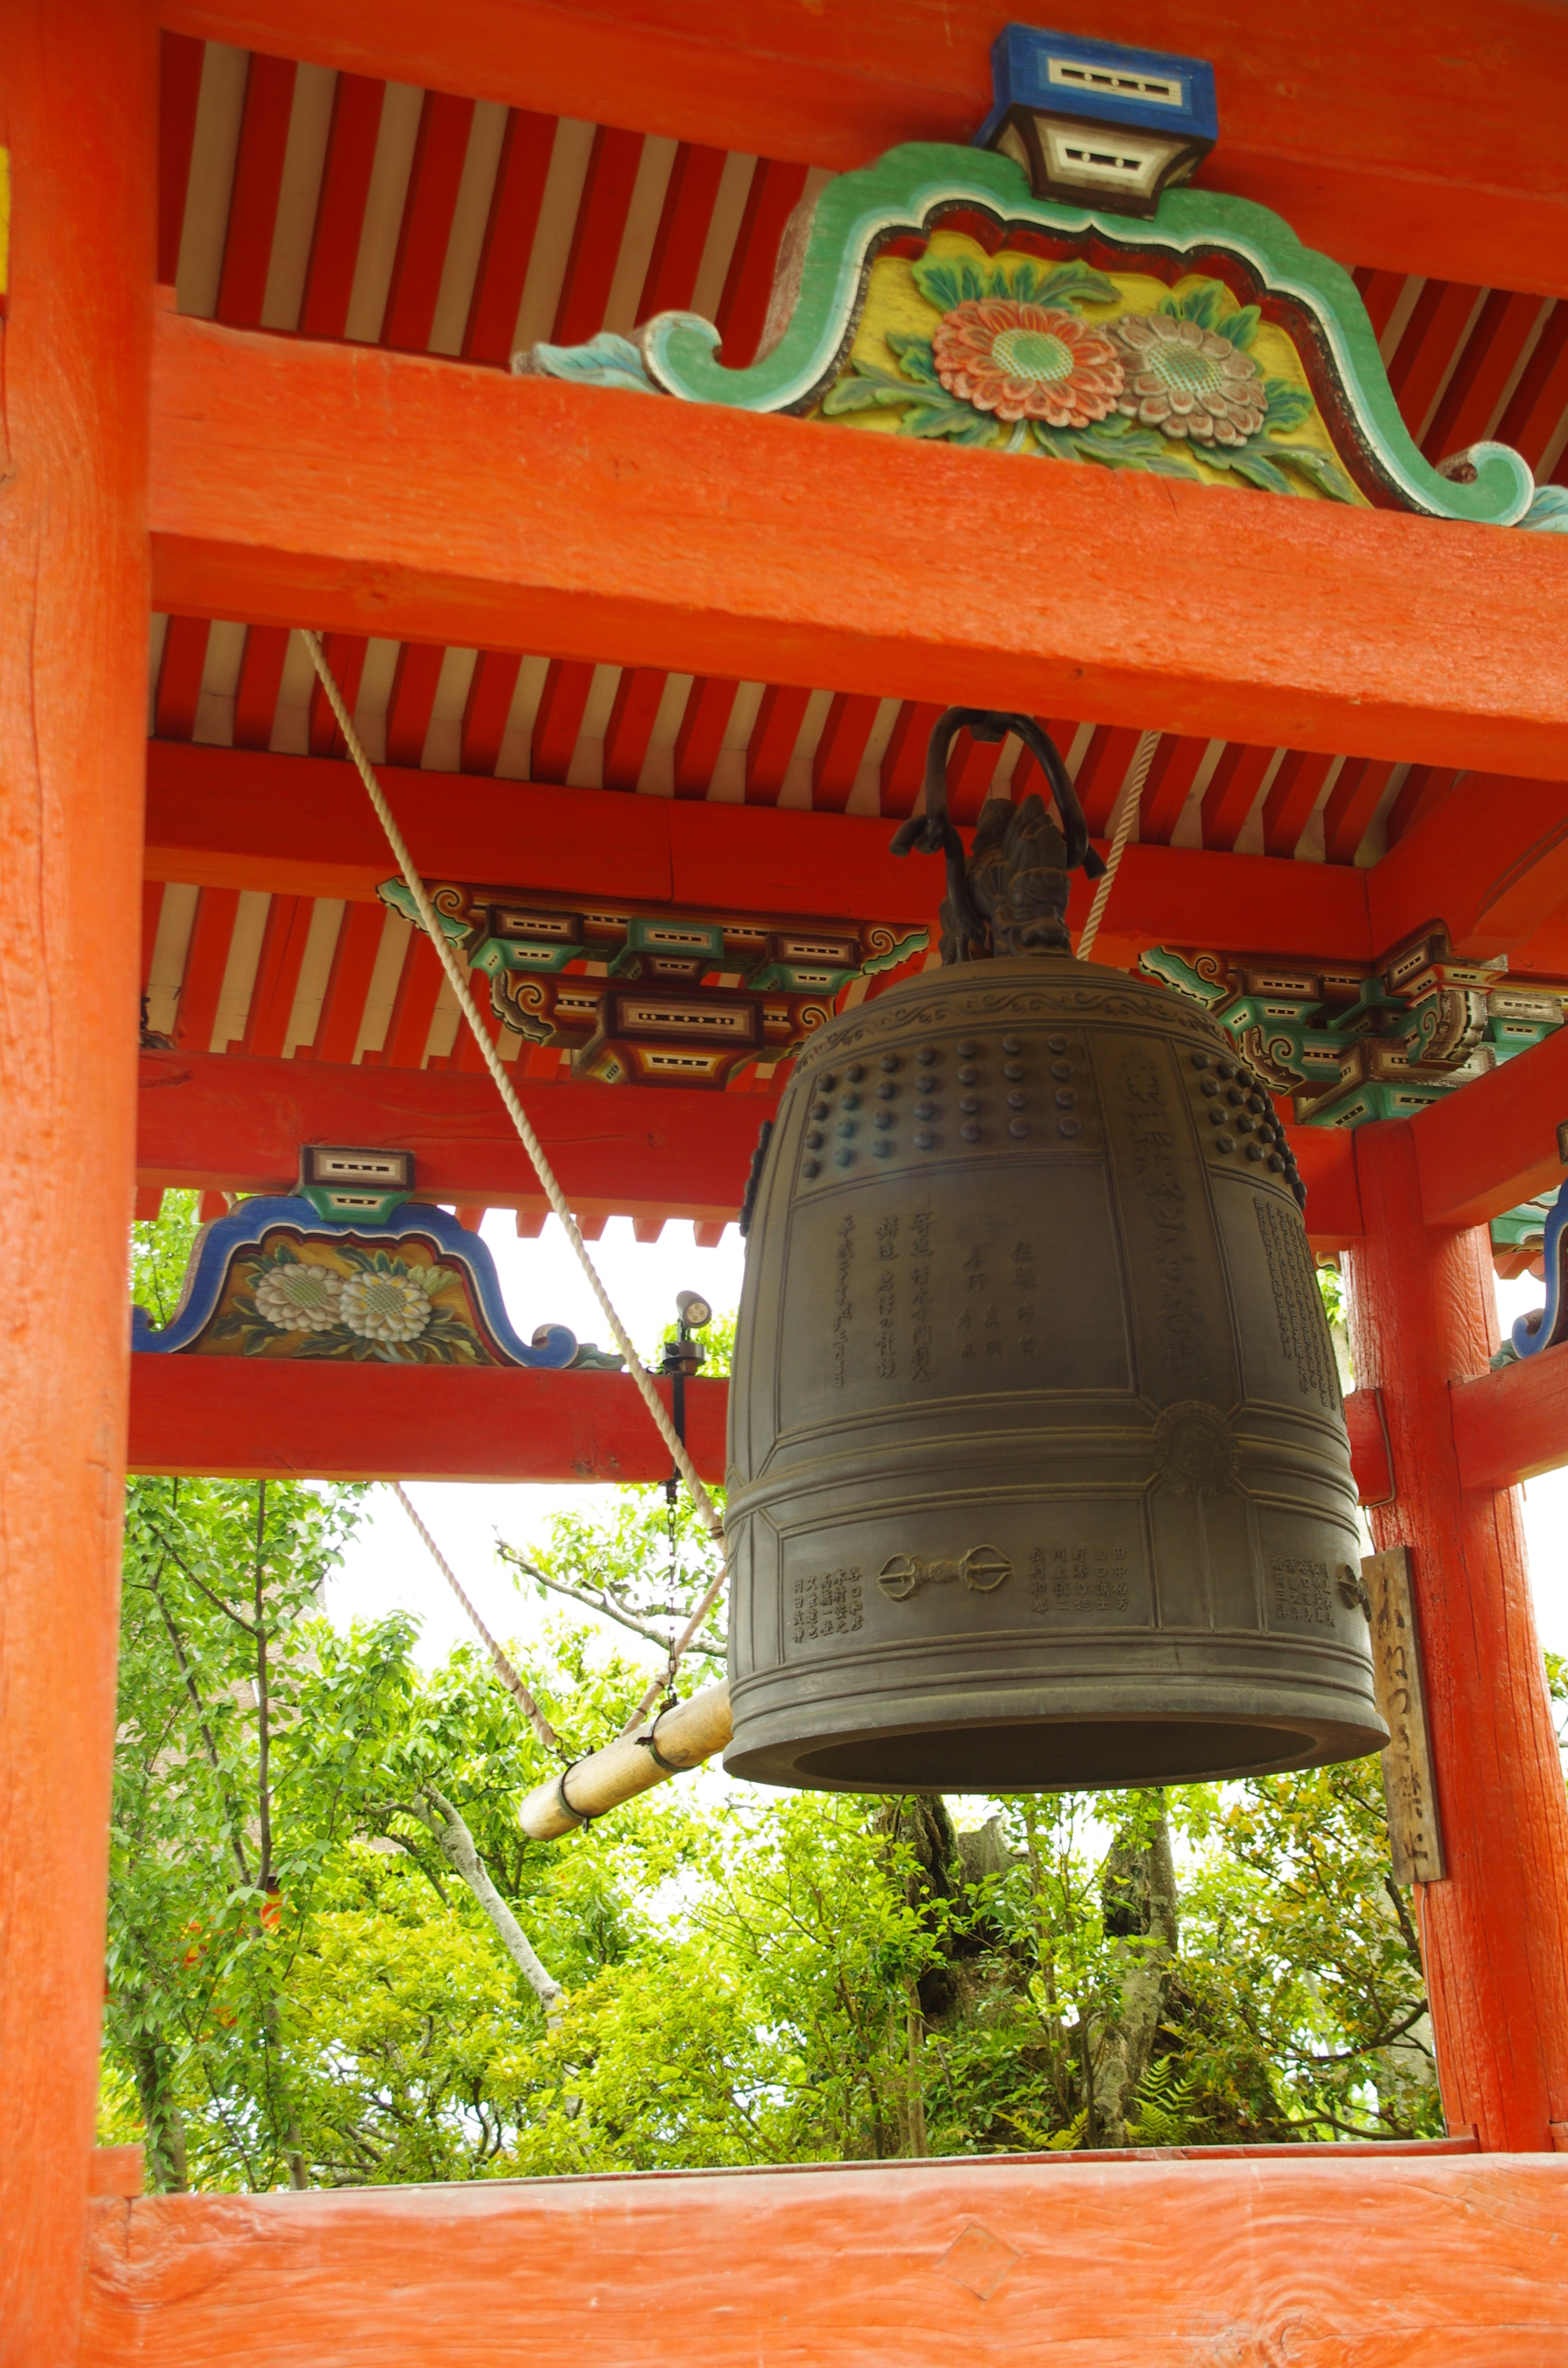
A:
[1038,1474]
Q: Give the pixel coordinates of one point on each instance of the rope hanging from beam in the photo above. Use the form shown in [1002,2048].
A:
[457,978]
[1127,806]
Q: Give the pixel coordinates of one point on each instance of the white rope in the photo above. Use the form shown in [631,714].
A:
[458,979]
[1122,819]
[504,1669]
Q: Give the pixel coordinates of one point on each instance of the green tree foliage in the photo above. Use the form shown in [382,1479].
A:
[301,1988]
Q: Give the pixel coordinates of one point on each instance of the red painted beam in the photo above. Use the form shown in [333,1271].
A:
[1493,1144]
[297,825]
[241,1417]
[713,541]
[1512,1425]
[234,1123]
[1434,156]
[1491,861]
[228,1123]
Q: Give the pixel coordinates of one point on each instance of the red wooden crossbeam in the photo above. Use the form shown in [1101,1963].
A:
[241,819]
[246,1418]
[1489,859]
[1433,156]
[1513,1425]
[716,541]
[1493,1144]
[241,1417]
[236,1124]
[211,1122]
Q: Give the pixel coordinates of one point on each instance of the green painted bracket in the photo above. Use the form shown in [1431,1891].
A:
[824,271]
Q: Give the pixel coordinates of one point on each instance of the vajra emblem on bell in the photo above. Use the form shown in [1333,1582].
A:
[1039,1475]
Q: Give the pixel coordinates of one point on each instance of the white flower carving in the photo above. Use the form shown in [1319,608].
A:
[394,1306]
[298,1298]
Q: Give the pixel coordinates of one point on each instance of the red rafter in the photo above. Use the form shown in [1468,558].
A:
[1352,803]
[1435,326]
[278,973]
[258,177]
[206,960]
[261,678]
[560,718]
[1421,792]
[1292,800]
[419,989]
[670,277]
[491,690]
[526,149]
[631,726]
[595,242]
[841,749]
[708,706]
[353,963]
[1380,292]
[775,192]
[772,743]
[180,670]
[1233,793]
[152,913]
[1103,772]
[180,58]
[1490,357]
[1169,786]
[972,767]
[904,759]
[416,679]
[340,209]
[433,178]
[1536,407]
[345,656]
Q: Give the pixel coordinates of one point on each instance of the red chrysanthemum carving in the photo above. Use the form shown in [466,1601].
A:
[1024,361]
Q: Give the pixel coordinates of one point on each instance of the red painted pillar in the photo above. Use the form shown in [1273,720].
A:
[78,114]
[1495,1932]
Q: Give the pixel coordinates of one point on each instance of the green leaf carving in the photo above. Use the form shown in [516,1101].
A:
[1288,404]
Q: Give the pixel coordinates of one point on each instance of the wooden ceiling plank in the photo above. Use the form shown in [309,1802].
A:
[1433,156]
[414,1008]
[276,975]
[1425,351]
[904,759]
[713,541]
[1292,800]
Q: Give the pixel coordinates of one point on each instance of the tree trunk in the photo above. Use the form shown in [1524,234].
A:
[166,2168]
[1139,1891]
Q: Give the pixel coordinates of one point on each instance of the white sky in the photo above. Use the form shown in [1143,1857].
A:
[387,1568]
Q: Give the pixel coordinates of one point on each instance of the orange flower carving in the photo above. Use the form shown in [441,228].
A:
[1024,361]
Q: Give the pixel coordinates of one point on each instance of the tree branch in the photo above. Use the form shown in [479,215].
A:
[457,1846]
